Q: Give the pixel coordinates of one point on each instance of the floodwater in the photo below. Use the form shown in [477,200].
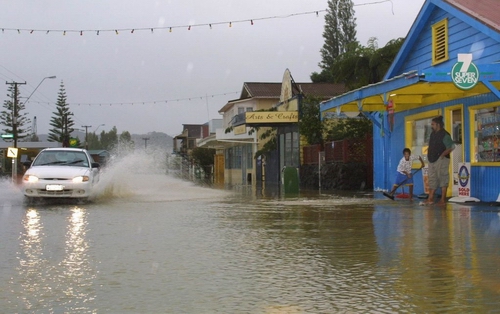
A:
[151,243]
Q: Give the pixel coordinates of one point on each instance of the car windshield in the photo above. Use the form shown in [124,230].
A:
[64,158]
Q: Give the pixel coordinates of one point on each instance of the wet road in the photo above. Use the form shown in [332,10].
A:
[150,243]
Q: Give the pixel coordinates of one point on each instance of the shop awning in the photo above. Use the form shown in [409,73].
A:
[412,90]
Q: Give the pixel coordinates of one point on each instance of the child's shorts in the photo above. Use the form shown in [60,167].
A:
[400,179]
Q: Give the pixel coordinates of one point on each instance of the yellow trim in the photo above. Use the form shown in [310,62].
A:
[472,138]
[449,127]
[440,42]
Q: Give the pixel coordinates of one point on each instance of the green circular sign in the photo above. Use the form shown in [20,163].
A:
[465,80]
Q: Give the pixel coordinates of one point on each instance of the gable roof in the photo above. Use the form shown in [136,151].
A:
[273,90]
[485,11]
[484,15]
[415,88]
[260,90]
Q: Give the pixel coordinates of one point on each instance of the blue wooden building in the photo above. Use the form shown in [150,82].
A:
[449,65]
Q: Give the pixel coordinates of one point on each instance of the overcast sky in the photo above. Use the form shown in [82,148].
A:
[157,80]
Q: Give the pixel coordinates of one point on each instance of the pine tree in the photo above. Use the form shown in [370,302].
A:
[339,33]
[61,122]
[22,127]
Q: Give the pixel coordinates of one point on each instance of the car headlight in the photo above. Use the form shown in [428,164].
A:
[30,178]
[80,179]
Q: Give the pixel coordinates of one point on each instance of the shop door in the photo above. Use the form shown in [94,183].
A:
[454,123]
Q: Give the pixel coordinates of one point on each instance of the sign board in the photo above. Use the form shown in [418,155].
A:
[464,179]
[7,135]
[463,185]
[464,73]
[12,152]
[286,87]
[271,117]
[73,142]
[240,129]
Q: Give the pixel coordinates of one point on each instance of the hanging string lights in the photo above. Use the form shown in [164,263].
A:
[154,102]
[170,28]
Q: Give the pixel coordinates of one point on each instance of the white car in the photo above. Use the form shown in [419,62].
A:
[60,173]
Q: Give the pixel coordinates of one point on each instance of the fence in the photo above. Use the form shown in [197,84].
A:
[346,151]
[349,150]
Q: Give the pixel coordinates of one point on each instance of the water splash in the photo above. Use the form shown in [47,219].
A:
[143,176]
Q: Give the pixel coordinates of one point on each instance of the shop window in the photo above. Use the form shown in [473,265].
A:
[486,134]
[249,157]
[288,149]
[237,157]
[440,42]
[418,131]
[295,149]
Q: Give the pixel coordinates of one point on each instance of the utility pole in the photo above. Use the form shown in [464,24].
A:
[86,135]
[14,125]
[146,139]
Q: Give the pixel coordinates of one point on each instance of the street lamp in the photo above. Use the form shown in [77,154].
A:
[98,127]
[47,77]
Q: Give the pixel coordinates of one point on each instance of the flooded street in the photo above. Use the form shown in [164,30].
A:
[151,243]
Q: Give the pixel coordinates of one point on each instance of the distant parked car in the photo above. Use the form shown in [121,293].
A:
[60,173]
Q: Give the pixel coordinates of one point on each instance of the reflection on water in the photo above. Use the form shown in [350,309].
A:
[43,274]
[443,258]
[32,264]
[155,244]
[77,274]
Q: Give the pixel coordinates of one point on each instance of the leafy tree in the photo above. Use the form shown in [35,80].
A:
[348,128]
[204,157]
[366,65]
[109,140]
[93,141]
[20,125]
[61,121]
[269,137]
[362,65]
[310,125]
[339,32]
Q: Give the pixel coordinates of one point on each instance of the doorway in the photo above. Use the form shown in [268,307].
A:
[453,124]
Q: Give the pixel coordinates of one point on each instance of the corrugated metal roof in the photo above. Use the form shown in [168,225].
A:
[486,11]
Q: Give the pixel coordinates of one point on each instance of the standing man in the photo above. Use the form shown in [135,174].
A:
[438,155]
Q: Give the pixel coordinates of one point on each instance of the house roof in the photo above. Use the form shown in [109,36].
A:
[260,90]
[485,11]
[273,90]
[414,89]
[483,15]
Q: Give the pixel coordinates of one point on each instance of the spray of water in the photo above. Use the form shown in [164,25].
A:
[10,194]
[144,176]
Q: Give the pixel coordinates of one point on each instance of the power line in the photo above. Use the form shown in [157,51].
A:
[188,27]
[153,102]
